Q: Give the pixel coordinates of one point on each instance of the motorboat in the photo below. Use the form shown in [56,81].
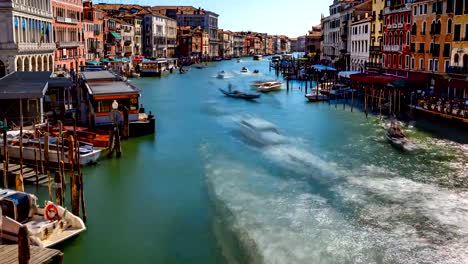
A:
[221,75]
[240,95]
[182,70]
[47,226]
[261,131]
[269,86]
[398,139]
[256,71]
[239,60]
[275,58]
[314,97]
[257,57]
[244,70]
[34,149]
[199,66]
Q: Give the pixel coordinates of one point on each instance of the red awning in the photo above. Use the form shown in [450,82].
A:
[373,79]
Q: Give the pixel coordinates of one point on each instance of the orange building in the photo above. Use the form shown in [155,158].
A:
[93,25]
[68,31]
[431,35]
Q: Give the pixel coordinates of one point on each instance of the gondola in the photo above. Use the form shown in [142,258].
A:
[239,94]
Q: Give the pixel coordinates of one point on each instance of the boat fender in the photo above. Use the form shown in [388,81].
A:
[51,212]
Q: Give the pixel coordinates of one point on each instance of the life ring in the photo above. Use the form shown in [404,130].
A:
[49,208]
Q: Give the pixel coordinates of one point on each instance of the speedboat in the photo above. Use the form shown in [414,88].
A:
[261,131]
[314,97]
[244,70]
[221,75]
[256,71]
[34,149]
[240,95]
[401,143]
[257,57]
[47,226]
[269,86]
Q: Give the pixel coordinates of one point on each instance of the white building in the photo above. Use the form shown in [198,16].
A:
[159,35]
[360,43]
[26,42]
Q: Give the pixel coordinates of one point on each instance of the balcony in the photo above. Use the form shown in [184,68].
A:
[68,44]
[67,20]
[397,8]
[27,47]
[127,42]
[375,49]
[457,70]
[97,32]
[392,48]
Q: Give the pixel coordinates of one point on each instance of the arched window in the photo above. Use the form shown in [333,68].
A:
[465,61]
[449,26]
[385,38]
[395,39]
[438,27]
[413,29]
[433,27]
[390,39]
[408,38]
[456,59]
[424,28]
[401,38]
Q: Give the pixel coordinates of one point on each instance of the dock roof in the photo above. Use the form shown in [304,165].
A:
[90,76]
[111,88]
[27,85]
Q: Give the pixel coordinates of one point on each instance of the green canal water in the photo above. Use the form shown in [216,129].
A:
[336,192]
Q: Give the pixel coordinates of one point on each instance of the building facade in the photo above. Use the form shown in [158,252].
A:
[160,33]
[69,35]
[27,42]
[397,33]
[127,31]
[238,44]
[360,43]
[376,43]
[93,24]
[312,44]
[459,53]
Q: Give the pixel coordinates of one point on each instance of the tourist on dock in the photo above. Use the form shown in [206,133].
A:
[142,109]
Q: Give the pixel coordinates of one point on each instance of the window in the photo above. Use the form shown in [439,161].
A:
[408,38]
[434,7]
[415,10]
[413,29]
[402,19]
[423,32]
[407,61]
[449,6]
[413,47]
[421,47]
[456,59]
[401,38]
[436,65]
[421,64]
[394,60]
[412,63]
[466,32]
[447,50]
[446,65]
[449,26]
[430,65]
[457,33]
[458,7]
[421,10]
[425,9]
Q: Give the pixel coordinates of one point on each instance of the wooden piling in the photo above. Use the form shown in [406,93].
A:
[24,254]
[381,94]
[58,188]
[21,137]
[5,159]
[46,161]
[62,178]
[73,182]
[83,203]
[126,125]
[19,182]
[365,102]
[352,100]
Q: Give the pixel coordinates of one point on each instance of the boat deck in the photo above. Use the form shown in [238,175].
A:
[9,255]
[29,174]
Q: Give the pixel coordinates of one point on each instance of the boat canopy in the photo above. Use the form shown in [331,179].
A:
[320,67]
[347,74]
[92,62]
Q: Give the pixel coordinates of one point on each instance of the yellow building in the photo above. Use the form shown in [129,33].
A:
[377,31]
[459,58]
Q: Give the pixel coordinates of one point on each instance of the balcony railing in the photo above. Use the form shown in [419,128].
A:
[392,48]
[68,44]
[457,70]
[397,8]
[67,20]
[375,49]
[30,46]
[127,42]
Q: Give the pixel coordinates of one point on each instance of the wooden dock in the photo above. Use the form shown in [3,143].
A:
[29,173]
[9,255]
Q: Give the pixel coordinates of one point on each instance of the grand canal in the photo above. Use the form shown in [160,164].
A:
[337,192]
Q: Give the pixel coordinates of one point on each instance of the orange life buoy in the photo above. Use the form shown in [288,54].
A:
[51,208]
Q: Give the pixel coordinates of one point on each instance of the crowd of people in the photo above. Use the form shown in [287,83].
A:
[456,107]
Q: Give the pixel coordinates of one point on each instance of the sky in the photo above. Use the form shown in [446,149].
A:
[292,18]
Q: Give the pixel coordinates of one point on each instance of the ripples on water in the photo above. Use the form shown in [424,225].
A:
[364,204]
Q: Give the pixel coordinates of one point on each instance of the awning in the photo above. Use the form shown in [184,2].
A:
[115,35]
[105,60]
[373,79]
[93,63]
[319,67]
[347,74]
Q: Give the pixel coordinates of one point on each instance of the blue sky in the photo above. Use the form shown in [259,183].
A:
[287,17]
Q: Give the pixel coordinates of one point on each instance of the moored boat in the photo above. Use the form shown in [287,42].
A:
[398,139]
[314,97]
[257,57]
[239,94]
[47,226]
[221,75]
[244,70]
[269,86]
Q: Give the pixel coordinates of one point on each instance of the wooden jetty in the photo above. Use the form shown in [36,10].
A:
[9,255]
[30,174]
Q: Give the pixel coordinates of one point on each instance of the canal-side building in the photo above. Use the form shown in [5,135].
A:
[26,42]
[226,43]
[112,38]
[431,36]
[376,43]
[93,23]
[68,31]
[360,42]
[192,42]
[127,31]
[238,44]
[312,44]
[194,17]
[459,53]
[160,36]
[397,30]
